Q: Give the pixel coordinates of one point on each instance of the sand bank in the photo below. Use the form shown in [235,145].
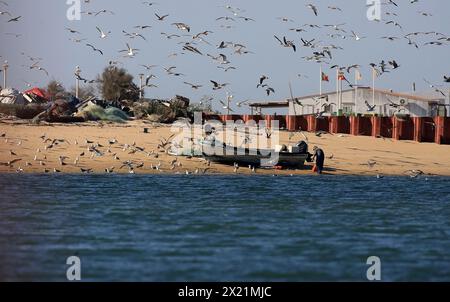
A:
[346,155]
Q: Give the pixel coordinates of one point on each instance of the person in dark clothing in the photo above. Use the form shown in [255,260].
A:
[319,156]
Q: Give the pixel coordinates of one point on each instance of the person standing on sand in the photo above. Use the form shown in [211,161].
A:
[319,156]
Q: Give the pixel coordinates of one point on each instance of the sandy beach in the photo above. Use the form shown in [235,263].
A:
[346,155]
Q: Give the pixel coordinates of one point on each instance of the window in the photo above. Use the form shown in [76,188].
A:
[347,109]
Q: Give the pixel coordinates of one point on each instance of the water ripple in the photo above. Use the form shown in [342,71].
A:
[222,228]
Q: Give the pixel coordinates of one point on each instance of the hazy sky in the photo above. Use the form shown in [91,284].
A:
[43,32]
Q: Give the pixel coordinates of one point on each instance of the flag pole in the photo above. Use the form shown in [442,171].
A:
[356,86]
[321,79]
[337,89]
[373,86]
[341,95]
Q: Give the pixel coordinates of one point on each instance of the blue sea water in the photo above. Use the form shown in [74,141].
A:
[223,228]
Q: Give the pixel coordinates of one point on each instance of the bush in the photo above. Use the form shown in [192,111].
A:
[117,85]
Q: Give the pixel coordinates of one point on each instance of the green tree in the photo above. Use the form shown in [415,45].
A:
[117,84]
[56,90]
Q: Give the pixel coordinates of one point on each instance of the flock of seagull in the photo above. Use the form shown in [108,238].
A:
[47,153]
[198,43]
[51,150]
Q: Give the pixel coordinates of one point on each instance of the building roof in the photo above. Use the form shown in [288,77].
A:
[415,97]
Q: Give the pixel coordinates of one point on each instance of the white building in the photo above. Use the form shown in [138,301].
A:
[365,100]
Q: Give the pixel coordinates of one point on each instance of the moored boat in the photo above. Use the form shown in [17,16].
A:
[293,156]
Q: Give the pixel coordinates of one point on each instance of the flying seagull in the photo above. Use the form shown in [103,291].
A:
[191,48]
[313,8]
[149,3]
[149,67]
[218,86]
[193,86]
[161,18]
[356,36]
[182,26]
[369,107]
[261,80]
[16,19]
[103,35]
[94,48]
[394,64]
[104,12]
[131,52]
[270,90]
[72,31]
[286,43]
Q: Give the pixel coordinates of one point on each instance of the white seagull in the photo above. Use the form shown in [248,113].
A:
[131,52]
[103,35]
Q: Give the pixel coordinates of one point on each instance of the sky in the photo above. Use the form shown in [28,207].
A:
[43,35]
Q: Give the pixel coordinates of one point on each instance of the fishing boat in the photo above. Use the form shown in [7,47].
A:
[284,156]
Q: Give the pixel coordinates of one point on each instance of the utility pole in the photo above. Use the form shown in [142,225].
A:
[5,74]
[141,85]
[448,104]
[229,98]
[77,81]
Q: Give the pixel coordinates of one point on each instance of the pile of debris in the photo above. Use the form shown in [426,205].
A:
[160,111]
[24,105]
[12,96]
[36,104]
[99,110]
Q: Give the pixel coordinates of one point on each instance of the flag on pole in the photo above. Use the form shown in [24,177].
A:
[325,78]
